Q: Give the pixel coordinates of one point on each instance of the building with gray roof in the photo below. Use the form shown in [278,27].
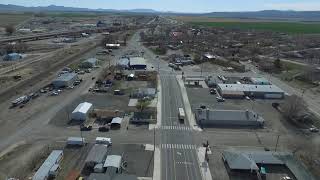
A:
[65,80]
[137,63]
[251,90]
[96,155]
[207,117]
[49,165]
[249,160]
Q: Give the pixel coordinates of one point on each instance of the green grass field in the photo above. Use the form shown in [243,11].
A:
[285,27]
[12,19]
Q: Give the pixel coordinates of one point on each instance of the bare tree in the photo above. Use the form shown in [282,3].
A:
[10,29]
[143,104]
[294,107]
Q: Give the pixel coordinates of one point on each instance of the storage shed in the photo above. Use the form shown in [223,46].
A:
[81,111]
[65,80]
[207,117]
[137,63]
[51,164]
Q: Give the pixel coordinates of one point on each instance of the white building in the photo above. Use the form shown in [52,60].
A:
[81,111]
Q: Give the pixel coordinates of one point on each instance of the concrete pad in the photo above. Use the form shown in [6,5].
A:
[149,147]
[133,102]
[204,166]
[187,106]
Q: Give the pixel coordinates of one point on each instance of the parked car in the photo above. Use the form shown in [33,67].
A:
[313,129]
[103,129]
[85,128]
[247,98]
[212,91]
[220,99]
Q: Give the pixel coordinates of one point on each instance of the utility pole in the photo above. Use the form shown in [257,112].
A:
[275,149]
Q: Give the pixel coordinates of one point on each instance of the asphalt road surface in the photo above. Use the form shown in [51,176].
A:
[176,140]
[178,150]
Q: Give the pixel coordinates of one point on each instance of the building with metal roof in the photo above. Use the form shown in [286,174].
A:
[207,117]
[96,155]
[137,63]
[53,159]
[65,80]
[249,160]
[257,91]
[81,111]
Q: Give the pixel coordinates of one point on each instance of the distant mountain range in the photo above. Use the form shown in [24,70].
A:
[267,14]
[54,8]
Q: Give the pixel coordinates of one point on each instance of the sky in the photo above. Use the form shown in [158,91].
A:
[195,6]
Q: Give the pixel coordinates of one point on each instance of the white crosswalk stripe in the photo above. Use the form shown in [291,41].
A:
[180,128]
[177,146]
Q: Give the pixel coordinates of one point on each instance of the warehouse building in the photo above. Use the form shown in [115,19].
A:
[137,63]
[89,63]
[96,155]
[50,166]
[207,117]
[81,111]
[256,91]
[65,80]
[249,160]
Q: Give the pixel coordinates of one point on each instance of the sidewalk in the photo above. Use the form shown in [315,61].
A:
[187,107]
[204,166]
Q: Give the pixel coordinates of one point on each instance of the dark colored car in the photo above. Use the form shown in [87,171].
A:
[103,129]
[85,128]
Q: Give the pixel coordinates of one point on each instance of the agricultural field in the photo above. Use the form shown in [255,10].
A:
[13,19]
[255,24]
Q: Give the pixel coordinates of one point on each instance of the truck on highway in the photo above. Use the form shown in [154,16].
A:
[181,115]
